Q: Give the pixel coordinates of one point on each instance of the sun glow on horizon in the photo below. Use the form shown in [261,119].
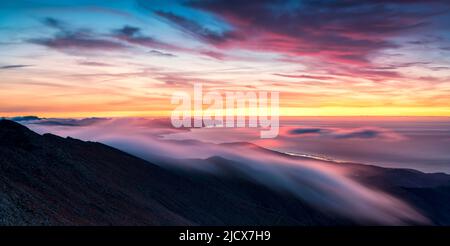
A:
[284,112]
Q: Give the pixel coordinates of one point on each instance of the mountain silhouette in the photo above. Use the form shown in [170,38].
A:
[50,180]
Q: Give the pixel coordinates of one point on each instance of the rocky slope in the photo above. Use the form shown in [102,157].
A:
[49,180]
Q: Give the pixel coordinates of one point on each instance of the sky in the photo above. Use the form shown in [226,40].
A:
[126,58]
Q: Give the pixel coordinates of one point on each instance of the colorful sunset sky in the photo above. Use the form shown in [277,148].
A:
[126,58]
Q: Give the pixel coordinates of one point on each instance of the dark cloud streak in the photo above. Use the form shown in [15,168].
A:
[196,30]
[339,31]
[74,39]
[14,66]
[133,35]
[160,53]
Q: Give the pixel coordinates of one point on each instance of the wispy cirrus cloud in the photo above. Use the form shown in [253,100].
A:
[160,53]
[303,76]
[197,30]
[67,38]
[134,35]
[14,66]
[70,38]
[83,41]
[345,32]
[93,63]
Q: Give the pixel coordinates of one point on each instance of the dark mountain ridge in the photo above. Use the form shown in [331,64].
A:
[50,180]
